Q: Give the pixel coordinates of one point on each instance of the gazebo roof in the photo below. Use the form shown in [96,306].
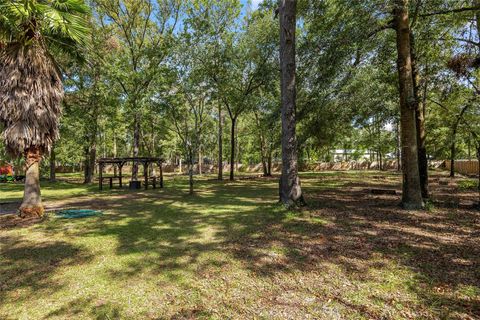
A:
[128,159]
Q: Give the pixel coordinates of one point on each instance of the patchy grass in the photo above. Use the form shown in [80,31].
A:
[230,251]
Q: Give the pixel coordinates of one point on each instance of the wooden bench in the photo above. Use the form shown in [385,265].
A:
[153,182]
[110,181]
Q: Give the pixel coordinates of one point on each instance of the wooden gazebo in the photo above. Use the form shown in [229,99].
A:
[120,162]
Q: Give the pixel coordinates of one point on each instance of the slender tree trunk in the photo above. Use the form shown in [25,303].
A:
[419,121]
[232,148]
[32,202]
[412,194]
[237,147]
[262,147]
[269,162]
[52,165]
[114,152]
[454,139]
[190,172]
[220,143]
[290,191]
[200,162]
[452,157]
[136,145]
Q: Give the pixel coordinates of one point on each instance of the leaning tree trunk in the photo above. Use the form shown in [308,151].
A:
[290,191]
[32,201]
[419,121]
[412,194]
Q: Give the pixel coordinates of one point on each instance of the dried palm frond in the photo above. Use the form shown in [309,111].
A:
[31,92]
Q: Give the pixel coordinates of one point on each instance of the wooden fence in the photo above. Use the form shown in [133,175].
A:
[468,167]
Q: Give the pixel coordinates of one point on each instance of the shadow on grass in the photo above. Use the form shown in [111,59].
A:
[29,266]
[346,227]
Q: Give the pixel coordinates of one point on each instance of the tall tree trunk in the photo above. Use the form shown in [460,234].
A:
[478,172]
[32,202]
[232,148]
[200,162]
[454,138]
[52,165]
[90,157]
[115,173]
[452,157]
[412,194]
[220,142]
[399,146]
[136,145]
[290,191]
[263,156]
[419,121]
[237,147]
[269,163]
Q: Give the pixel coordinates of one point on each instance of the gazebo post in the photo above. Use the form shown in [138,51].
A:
[120,166]
[145,173]
[100,171]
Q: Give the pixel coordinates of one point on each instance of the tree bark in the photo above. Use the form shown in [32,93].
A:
[412,194]
[399,146]
[52,165]
[454,138]
[290,191]
[478,172]
[220,143]
[452,156]
[190,172]
[232,148]
[136,145]
[419,121]
[269,164]
[263,152]
[200,162]
[32,202]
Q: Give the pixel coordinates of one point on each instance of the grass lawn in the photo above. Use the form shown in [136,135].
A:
[230,251]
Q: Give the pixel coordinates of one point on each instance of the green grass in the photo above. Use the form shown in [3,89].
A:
[229,251]
[470,184]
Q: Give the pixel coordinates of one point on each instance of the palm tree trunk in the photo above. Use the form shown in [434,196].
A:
[412,194]
[290,191]
[32,202]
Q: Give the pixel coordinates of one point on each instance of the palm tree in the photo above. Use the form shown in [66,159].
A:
[32,34]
